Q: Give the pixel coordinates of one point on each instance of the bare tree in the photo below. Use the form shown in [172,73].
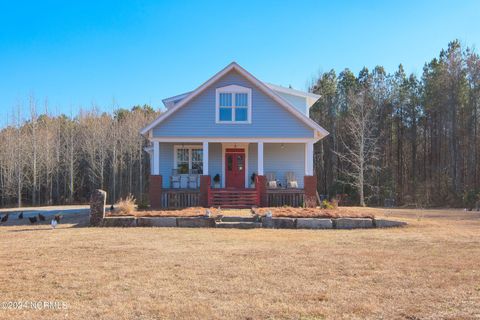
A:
[360,150]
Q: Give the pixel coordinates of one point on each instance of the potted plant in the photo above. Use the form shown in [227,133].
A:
[252,178]
[216,181]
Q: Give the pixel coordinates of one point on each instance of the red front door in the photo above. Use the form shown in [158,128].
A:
[235,168]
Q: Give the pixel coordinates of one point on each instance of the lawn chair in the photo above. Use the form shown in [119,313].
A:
[291,180]
[192,182]
[271,180]
[175,179]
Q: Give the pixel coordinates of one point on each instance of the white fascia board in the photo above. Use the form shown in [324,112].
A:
[234,140]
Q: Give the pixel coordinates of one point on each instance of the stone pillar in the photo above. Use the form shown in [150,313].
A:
[155,191]
[310,190]
[205,183]
[261,186]
[98,200]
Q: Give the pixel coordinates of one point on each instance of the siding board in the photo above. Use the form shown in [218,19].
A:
[197,118]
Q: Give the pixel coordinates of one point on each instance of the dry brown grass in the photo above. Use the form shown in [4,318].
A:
[427,270]
[125,207]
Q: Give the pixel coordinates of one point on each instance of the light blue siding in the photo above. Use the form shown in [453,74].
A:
[197,118]
[215,159]
[281,160]
[166,162]
[252,160]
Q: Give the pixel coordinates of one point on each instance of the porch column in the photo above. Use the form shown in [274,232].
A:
[260,158]
[205,183]
[155,191]
[309,159]
[156,157]
[205,158]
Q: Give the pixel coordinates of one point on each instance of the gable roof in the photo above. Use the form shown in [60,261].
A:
[310,98]
[263,87]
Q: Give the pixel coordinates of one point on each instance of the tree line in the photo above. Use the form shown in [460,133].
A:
[49,159]
[397,136]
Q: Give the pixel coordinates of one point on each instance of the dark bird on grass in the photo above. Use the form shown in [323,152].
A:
[32,219]
[112,208]
[41,217]
[20,216]
[5,218]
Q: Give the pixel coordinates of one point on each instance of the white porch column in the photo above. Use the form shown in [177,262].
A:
[205,158]
[156,158]
[260,158]
[309,159]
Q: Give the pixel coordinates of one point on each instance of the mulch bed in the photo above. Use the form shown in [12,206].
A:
[290,212]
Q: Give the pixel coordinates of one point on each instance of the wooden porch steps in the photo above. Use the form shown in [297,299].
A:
[233,198]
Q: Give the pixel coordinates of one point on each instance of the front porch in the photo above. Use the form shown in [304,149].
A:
[227,198]
[233,174]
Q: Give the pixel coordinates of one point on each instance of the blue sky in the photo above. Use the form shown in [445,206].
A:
[119,53]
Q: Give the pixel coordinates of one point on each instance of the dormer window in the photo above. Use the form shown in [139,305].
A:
[233,104]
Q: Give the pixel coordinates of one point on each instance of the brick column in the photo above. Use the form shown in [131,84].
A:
[310,189]
[261,186]
[155,192]
[205,183]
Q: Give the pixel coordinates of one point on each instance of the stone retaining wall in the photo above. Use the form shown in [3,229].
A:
[266,222]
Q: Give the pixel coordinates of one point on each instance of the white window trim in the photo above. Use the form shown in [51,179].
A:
[233,89]
[190,148]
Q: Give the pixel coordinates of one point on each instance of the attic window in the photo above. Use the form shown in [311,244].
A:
[233,104]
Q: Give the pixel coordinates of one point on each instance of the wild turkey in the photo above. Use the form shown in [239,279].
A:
[41,217]
[32,219]
[112,208]
[20,216]
[5,218]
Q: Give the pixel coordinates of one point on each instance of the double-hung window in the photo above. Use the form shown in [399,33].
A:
[188,159]
[233,104]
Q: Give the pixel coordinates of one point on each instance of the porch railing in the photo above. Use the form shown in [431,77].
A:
[285,197]
[180,198]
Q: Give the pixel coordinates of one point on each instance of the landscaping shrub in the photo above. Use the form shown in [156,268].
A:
[326,205]
[125,206]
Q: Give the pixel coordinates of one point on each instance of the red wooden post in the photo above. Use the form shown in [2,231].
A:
[310,190]
[205,183]
[155,192]
[261,186]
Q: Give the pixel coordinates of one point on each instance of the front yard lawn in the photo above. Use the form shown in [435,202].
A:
[427,270]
